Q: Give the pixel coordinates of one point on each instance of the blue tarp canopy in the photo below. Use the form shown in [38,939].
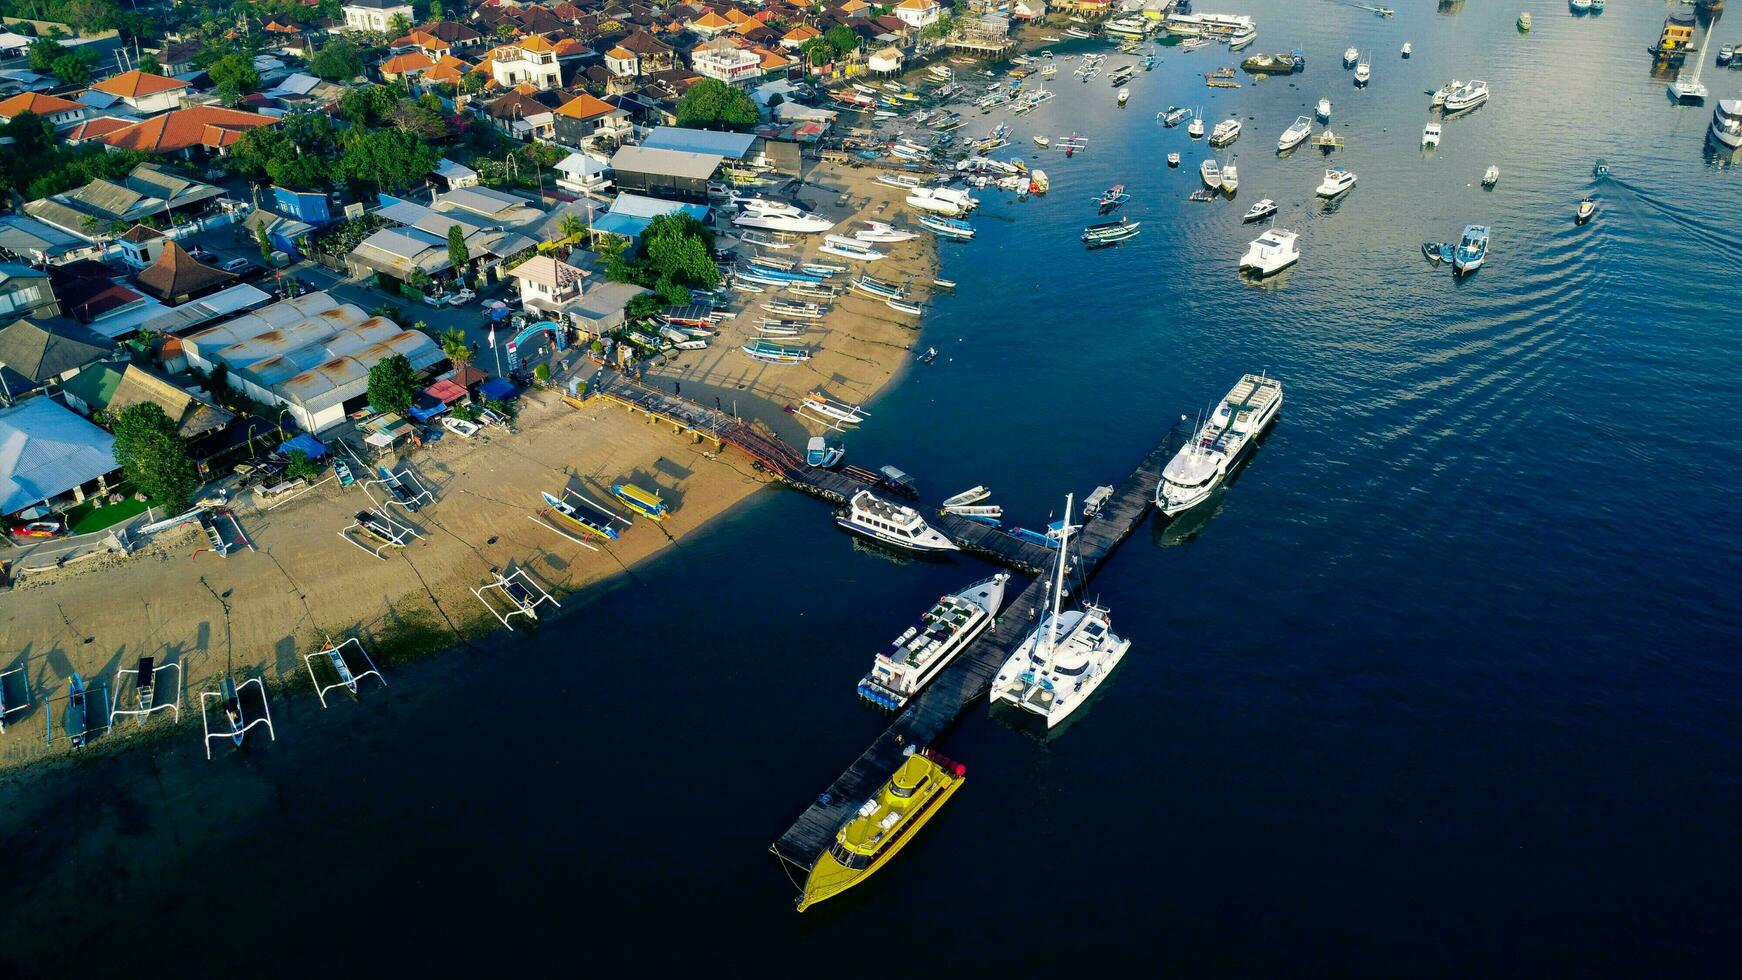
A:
[310,446]
[497,389]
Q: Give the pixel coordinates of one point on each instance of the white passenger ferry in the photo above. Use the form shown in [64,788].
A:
[894,524]
[1229,433]
[917,655]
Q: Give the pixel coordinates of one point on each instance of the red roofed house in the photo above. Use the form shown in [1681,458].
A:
[177,277]
[59,112]
[187,131]
[410,63]
[584,117]
[95,129]
[143,93]
[710,25]
[796,37]
[448,70]
[530,60]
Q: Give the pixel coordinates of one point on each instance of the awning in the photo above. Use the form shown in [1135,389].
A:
[310,446]
[445,391]
[497,389]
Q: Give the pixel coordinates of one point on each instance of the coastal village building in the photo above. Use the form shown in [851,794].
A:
[630,215]
[177,277]
[530,61]
[36,352]
[59,112]
[374,15]
[310,354]
[586,118]
[919,14]
[142,93]
[639,54]
[141,246]
[732,65]
[550,287]
[48,454]
[582,173]
[115,386]
[187,132]
[92,212]
[673,174]
[523,114]
[411,63]
[94,294]
[25,292]
[26,239]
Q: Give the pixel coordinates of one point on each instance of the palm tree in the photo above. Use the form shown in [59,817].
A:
[570,226]
[453,344]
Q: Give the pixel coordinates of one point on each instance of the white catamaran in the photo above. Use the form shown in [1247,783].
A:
[1229,433]
[1059,666]
[927,646]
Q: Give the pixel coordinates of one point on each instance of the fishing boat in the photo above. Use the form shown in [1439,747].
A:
[769,352]
[1430,134]
[946,227]
[878,231]
[1195,129]
[1173,115]
[1201,196]
[1524,21]
[877,287]
[787,307]
[1110,232]
[1363,71]
[972,495]
[947,201]
[883,824]
[1466,96]
[1271,252]
[1270,64]
[587,523]
[764,241]
[1263,209]
[1230,178]
[1065,659]
[75,719]
[906,181]
[820,454]
[1337,181]
[1112,197]
[876,518]
[1586,209]
[901,306]
[930,355]
[644,502]
[1324,110]
[1491,176]
[1726,125]
[1295,134]
[1472,250]
[849,248]
[1211,172]
[900,670]
[1350,57]
[1218,444]
[779,328]
[1124,96]
[1436,252]
[1173,159]
[1226,131]
[1043,141]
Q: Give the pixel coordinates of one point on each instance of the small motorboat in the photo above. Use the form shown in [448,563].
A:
[1430,135]
[1471,251]
[1230,178]
[1112,198]
[1173,115]
[1324,110]
[930,355]
[1201,196]
[459,427]
[1042,141]
[1587,208]
[1195,129]
[1124,96]
[1336,182]
[1406,49]
[1351,56]
[973,495]
[1173,159]
[1432,251]
[1295,134]
[820,454]
[1524,22]
[1491,176]
[1263,209]
[1211,172]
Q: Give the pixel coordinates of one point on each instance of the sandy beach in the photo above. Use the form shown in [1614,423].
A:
[257,613]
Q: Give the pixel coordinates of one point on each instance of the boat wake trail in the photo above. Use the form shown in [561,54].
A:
[1711,236]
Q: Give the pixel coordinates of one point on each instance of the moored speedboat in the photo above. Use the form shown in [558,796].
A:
[1295,134]
[906,665]
[1351,56]
[1472,250]
[1263,209]
[1524,22]
[1466,96]
[1217,445]
[1337,180]
[876,518]
[1211,171]
[1124,96]
[947,201]
[1227,131]
[1173,159]
[1271,252]
[1363,71]
[883,825]
[1230,178]
[1324,110]
[1059,666]
[1726,127]
[1406,49]
[1195,129]
[1430,134]
[1491,176]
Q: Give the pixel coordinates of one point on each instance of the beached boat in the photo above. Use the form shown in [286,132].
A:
[946,227]
[903,668]
[1219,443]
[1472,250]
[883,825]
[878,231]
[586,522]
[1263,209]
[874,517]
[907,181]
[644,502]
[802,223]
[1337,180]
[849,248]
[877,287]
[1066,658]
[769,352]
[1271,252]
[1295,134]
[947,201]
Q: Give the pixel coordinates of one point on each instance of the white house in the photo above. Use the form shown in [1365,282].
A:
[549,285]
[59,112]
[143,93]
[918,13]
[374,15]
[582,173]
[734,66]
[529,61]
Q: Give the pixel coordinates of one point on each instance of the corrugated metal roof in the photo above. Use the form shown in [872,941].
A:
[46,450]
[668,163]
[733,146]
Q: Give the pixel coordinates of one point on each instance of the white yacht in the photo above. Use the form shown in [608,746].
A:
[1430,134]
[1243,35]
[1211,171]
[1201,464]
[1363,72]
[1226,131]
[1297,134]
[880,231]
[1230,177]
[763,205]
[1263,209]
[1058,667]
[1467,96]
[1351,56]
[916,656]
[1271,252]
[942,200]
[1337,180]
[1439,99]
[801,222]
[1324,110]
[1195,128]
[894,524]
[1726,126]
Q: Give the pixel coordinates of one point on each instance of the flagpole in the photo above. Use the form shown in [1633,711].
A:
[498,350]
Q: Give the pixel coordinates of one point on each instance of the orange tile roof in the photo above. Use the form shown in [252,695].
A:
[92,129]
[711,21]
[535,42]
[447,69]
[620,53]
[770,60]
[184,128]
[405,64]
[569,45]
[585,106]
[736,16]
[801,33]
[42,105]
[136,84]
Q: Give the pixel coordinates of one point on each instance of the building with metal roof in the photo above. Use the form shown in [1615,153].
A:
[86,212]
[732,146]
[630,214]
[37,353]
[48,452]
[680,174]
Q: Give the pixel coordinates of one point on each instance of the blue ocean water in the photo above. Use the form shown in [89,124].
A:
[1445,682]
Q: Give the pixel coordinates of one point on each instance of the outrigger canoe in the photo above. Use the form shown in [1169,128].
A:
[599,527]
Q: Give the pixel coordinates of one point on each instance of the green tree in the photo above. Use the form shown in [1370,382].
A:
[339,61]
[398,25]
[43,53]
[712,104]
[435,10]
[453,344]
[234,71]
[71,69]
[678,249]
[643,306]
[150,65]
[264,242]
[300,467]
[390,159]
[458,254]
[818,50]
[570,225]
[842,39]
[392,384]
[154,456]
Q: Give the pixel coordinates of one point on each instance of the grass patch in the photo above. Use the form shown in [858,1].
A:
[88,517]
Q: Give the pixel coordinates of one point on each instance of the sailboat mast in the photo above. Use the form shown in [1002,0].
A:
[1058,591]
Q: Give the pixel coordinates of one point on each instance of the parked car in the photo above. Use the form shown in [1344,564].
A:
[237,265]
[461,298]
[48,527]
[201,254]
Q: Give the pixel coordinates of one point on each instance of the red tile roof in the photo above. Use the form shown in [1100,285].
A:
[184,128]
[42,105]
[136,84]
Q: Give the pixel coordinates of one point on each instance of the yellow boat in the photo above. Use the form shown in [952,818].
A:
[644,502]
[883,825]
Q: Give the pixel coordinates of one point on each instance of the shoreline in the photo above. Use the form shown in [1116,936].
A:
[255,614]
